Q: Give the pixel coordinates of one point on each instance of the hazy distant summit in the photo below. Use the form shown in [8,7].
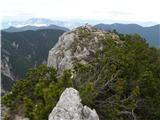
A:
[40,22]
[72,23]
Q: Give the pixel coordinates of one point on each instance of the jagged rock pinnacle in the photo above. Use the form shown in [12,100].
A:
[69,107]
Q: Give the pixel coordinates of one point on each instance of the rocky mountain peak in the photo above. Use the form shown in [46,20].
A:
[78,45]
[69,107]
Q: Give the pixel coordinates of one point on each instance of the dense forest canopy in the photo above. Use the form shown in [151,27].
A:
[122,83]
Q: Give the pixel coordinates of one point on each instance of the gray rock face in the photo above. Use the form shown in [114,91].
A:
[5,67]
[69,107]
[78,45]
[6,72]
[59,56]
[17,117]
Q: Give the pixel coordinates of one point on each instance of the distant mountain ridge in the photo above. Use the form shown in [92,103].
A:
[151,34]
[41,22]
[29,27]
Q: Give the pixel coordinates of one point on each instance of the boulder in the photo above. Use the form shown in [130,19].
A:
[69,107]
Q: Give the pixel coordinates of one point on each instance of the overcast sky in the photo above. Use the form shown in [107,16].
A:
[122,10]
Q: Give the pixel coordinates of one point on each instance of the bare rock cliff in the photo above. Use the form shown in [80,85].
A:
[78,45]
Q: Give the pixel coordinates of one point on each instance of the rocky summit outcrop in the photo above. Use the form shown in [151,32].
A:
[78,45]
[69,107]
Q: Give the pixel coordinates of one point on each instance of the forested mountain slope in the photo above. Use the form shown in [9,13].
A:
[24,50]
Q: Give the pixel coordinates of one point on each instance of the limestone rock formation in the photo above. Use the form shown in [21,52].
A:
[17,117]
[78,45]
[69,107]
[5,67]
[6,74]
